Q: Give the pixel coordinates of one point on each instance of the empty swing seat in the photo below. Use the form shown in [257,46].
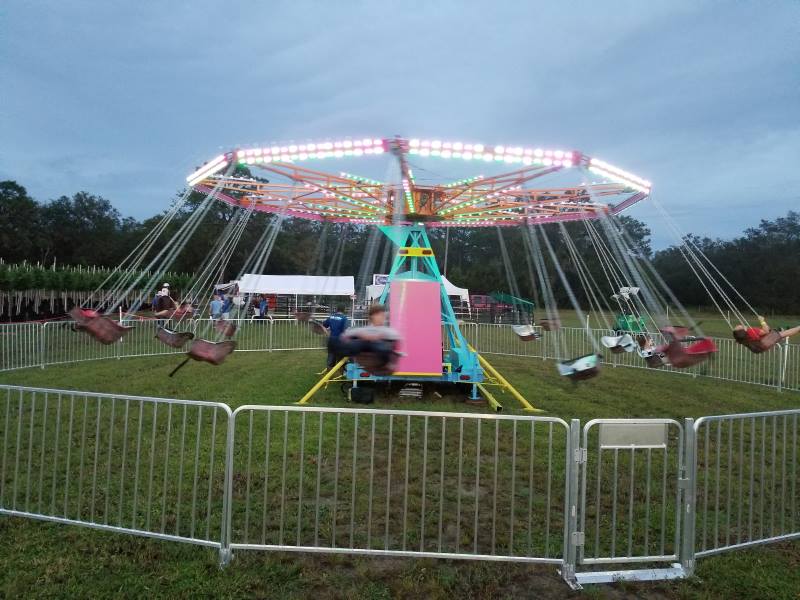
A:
[526,333]
[580,368]
[82,316]
[213,353]
[550,324]
[174,339]
[683,357]
[104,330]
[226,328]
[618,343]
[766,342]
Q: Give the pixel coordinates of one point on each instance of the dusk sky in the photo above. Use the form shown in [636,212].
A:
[124,99]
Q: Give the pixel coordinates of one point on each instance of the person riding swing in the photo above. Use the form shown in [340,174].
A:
[163,304]
[762,338]
[373,347]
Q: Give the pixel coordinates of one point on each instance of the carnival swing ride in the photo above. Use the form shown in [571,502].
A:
[535,192]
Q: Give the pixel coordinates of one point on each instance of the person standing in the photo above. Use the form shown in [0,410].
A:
[215,307]
[227,303]
[335,325]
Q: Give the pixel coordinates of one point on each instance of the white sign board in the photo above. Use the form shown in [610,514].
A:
[633,435]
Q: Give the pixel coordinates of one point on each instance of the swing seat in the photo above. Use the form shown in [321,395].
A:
[213,353]
[618,344]
[767,342]
[105,331]
[683,357]
[675,332]
[526,333]
[648,351]
[173,339]
[82,316]
[317,327]
[380,362]
[375,349]
[550,324]
[226,328]
[580,368]
[302,316]
[653,360]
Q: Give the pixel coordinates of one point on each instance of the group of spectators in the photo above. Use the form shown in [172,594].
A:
[164,305]
[220,306]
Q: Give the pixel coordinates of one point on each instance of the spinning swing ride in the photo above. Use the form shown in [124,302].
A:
[533,193]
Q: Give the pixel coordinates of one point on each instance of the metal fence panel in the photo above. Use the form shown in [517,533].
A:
[746,480]
[148,466]
[20,345]
[399,483]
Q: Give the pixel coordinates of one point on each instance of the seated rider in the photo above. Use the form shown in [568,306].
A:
[373,346]
[743,334]
[163,304]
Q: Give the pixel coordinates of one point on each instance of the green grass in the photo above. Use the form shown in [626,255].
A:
[60,560]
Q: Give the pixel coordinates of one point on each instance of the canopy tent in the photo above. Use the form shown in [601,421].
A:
[374,291]
[300,285]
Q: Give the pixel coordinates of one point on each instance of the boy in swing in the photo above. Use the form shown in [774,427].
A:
[373,346]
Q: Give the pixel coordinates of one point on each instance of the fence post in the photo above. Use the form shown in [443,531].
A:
[42,346]
[783,363]
[574,461]
[269,340]
[225,554]
[689,485]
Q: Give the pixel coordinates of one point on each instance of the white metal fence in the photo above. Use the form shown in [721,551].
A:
[779,368]
[399,483]
[33,344]
[626,492]
[746,478]
[150,466]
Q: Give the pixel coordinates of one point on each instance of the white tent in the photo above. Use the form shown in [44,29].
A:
[300,285]
[375,291]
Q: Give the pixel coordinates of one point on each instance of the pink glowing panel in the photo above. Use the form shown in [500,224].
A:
[415,310]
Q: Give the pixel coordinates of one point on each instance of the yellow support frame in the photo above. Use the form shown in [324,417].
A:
[501,381]
[495,378]
[490,398]
[324,381]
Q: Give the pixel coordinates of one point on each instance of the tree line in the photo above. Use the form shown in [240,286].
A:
[84,229]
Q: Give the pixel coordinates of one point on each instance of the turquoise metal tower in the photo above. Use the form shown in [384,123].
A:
[415,260]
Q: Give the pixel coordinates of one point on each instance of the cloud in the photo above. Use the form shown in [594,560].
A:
[124,100]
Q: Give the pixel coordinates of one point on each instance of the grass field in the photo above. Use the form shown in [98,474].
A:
[59,560]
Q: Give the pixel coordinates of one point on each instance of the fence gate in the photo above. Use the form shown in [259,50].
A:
[631,491]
